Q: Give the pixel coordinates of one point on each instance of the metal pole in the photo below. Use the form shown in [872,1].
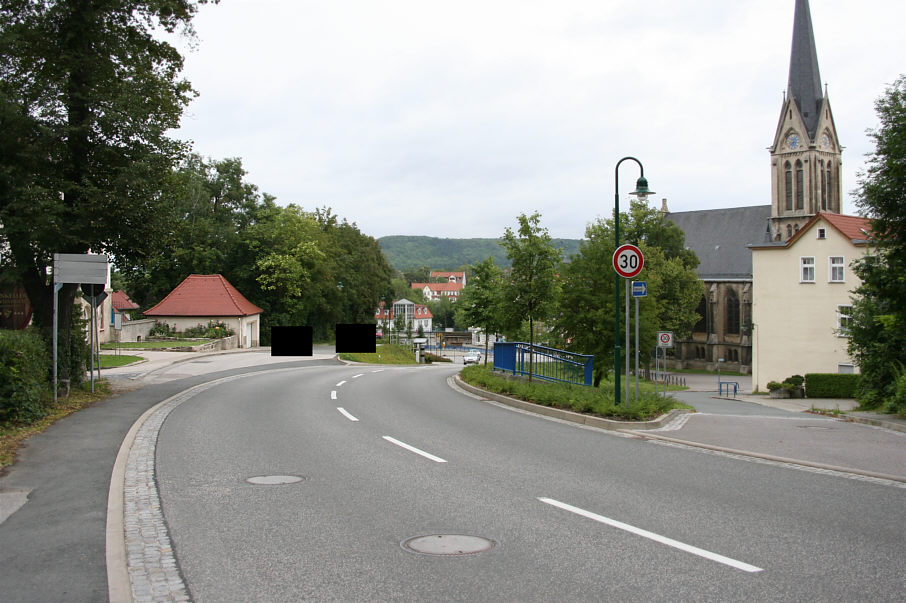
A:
[56,305]
[91,340]
[637,348]
[628,286]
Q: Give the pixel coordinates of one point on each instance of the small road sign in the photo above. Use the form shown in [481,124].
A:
[639,288]
[628,260]
[665,339]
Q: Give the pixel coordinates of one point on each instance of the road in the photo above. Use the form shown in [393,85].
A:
[554,511]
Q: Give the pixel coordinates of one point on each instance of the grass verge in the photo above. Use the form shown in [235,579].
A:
[11,436]
[385,354]
[111,361]
[577,398]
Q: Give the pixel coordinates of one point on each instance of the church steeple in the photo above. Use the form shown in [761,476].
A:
[804,84]
[806,154]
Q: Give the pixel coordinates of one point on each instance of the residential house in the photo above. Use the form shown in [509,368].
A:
[450,277]
[413,315]
[204,298]
[436,291]
[802,303]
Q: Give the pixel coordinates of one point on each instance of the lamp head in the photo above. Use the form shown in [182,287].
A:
[641,189]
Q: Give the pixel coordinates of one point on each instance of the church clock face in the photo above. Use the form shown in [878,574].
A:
[825,141]
[792,141]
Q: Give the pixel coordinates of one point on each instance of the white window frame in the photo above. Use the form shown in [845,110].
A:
[841,267]
[844,319]
[822,233]
[807,269]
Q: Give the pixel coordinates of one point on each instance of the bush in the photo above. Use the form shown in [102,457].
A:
[213,330]
[24,369]
[160,329]
[831,385]
[577,398]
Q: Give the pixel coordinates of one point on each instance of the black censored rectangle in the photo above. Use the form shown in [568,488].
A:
[356,338]
[291,341]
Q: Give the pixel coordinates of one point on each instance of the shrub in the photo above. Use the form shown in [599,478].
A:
[213,330]
[831,385]
[161,329]
[24,369]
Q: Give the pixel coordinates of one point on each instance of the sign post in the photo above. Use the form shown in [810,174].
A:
[639,289]
[664,341]
[74,269]
[628,262]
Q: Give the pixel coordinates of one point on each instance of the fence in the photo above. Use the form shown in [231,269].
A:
[664,378]
[548,364]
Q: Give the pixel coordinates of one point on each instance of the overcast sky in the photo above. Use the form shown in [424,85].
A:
[449,119]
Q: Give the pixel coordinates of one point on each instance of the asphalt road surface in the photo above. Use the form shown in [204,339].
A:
[512,506]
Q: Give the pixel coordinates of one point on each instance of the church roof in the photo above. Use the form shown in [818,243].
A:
[204,295]
[804,84]
[719,238]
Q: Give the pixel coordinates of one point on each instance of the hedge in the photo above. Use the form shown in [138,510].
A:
[831,385]
[24,369]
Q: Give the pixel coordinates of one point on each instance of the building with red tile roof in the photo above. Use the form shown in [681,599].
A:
[203,298]
[435,291]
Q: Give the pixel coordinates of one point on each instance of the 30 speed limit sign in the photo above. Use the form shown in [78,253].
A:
[628,260]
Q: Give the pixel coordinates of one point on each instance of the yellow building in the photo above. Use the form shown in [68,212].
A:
[802,299]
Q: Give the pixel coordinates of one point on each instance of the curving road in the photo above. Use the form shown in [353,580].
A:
[554,511]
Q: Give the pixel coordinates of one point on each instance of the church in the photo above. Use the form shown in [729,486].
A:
[805,180]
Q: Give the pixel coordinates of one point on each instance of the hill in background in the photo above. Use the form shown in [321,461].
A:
[408,252]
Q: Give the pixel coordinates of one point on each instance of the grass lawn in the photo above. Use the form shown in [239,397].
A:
[151,345]
[385,354]
[577,398]
[11,436]
[111,361]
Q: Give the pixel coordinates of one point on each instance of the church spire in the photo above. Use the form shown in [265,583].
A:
[804,84]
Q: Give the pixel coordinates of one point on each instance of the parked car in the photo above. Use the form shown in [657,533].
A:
[471,358]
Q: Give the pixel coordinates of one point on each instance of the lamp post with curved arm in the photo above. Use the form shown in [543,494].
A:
[641,190]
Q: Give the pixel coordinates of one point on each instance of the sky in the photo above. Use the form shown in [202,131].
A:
[449,119]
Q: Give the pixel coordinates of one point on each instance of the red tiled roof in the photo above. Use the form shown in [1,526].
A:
[121,301]
[204,295]
[438,286]
[855,228]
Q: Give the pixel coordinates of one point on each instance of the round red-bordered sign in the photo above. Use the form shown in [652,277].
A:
[628,260]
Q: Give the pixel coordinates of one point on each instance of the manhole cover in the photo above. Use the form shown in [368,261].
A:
[448,544]
[274,480]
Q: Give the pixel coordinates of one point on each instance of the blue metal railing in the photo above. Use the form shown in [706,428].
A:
[548,364]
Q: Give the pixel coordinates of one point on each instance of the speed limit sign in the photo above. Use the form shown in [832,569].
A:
[628,260]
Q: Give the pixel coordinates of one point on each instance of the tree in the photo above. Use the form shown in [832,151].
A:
[585,318]
[87,95]
[878,327]
[480,303]
[444,311]
[531,287]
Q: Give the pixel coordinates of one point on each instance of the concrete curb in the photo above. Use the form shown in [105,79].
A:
[771,457]
[875,422]
[573,417]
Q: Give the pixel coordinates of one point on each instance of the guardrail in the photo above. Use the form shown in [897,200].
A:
[547,364]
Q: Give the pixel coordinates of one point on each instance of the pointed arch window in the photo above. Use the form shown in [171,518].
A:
[830,188]
[732,316]
[701,326]
[788,183]
[823,185]
[800,185]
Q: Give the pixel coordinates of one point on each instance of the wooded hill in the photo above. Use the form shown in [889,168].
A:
[408,252]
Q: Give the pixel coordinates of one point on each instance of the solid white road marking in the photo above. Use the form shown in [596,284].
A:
[378,371]
[333,395]
[346,414]
[652,536]
[357,376]
[340,383]
[436,459]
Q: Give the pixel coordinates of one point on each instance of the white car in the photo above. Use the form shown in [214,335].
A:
[471,358]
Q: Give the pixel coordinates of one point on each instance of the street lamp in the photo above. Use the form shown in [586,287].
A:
[346,293]
[641,190]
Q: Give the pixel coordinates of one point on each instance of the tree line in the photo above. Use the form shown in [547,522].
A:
[569,302]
